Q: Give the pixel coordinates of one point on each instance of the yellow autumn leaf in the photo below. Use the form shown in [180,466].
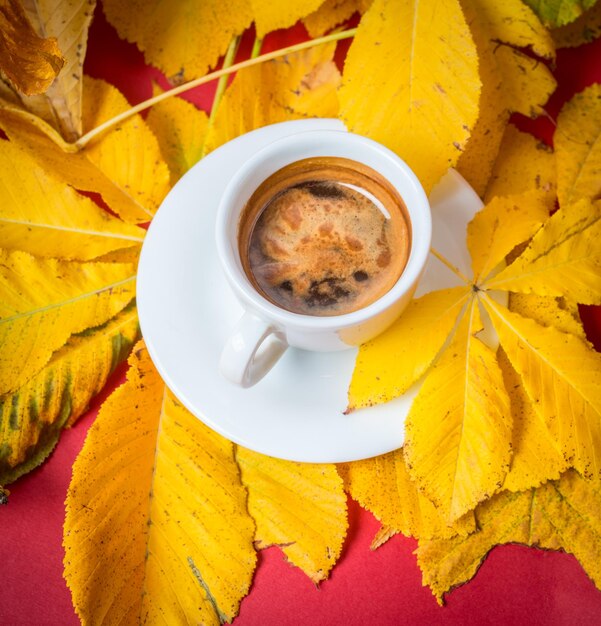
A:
[527,83]
[270,16]
[383,486]
[536,456]
[45,301]
[555,13]
[124,165]
[32,417]
[69,22]
[548,311]
[300,507]
[42,215]
[302,84]
[426,107]
[333,13]
[522,164]
[156,528]
[476,160]
[382,536]
[497,28]
[515,24]
[561,514]
[563,258]
[180,129]
[183,39]
[389,364]
[585,29]
[562,377]
[578,147]
[458,431]
[492,234]
[29,61]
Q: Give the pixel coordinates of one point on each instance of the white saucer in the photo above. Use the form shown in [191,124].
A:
[187,311]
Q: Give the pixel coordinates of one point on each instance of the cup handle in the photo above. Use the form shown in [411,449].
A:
[251,351]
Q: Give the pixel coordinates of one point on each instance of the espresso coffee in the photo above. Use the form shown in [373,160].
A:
[324,236]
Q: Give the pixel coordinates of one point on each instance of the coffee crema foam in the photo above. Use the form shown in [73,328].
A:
[324,236]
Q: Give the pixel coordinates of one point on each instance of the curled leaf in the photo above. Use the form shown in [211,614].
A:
[61,104]
[29,61]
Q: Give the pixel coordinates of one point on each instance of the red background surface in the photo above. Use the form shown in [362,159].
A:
[515,585]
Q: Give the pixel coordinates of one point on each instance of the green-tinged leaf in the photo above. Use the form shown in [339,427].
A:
[563,258]
[515,24]
[585,29]
[69,22]
[156,529]
[180,129]
[562,514]
[383,486]
[29,61]
[562,377]
[425,108]
[578,148]
[389,364]
[458,431]
[32,418]
[45,301]
[42,215]
[300,507]
[555,13]
[501,225]
[299,85]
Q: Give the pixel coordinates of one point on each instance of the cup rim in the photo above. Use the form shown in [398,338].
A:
[242,286]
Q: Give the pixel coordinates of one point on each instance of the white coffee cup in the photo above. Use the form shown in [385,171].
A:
[265,330]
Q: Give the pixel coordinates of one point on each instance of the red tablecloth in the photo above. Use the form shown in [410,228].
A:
[516,585]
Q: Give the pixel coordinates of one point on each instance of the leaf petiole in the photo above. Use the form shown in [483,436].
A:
[452,267]
[83,141]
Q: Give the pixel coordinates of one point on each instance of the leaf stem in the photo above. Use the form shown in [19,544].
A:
[256,51]
[453,269]
[222,84]
[230,55]
[85,139]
